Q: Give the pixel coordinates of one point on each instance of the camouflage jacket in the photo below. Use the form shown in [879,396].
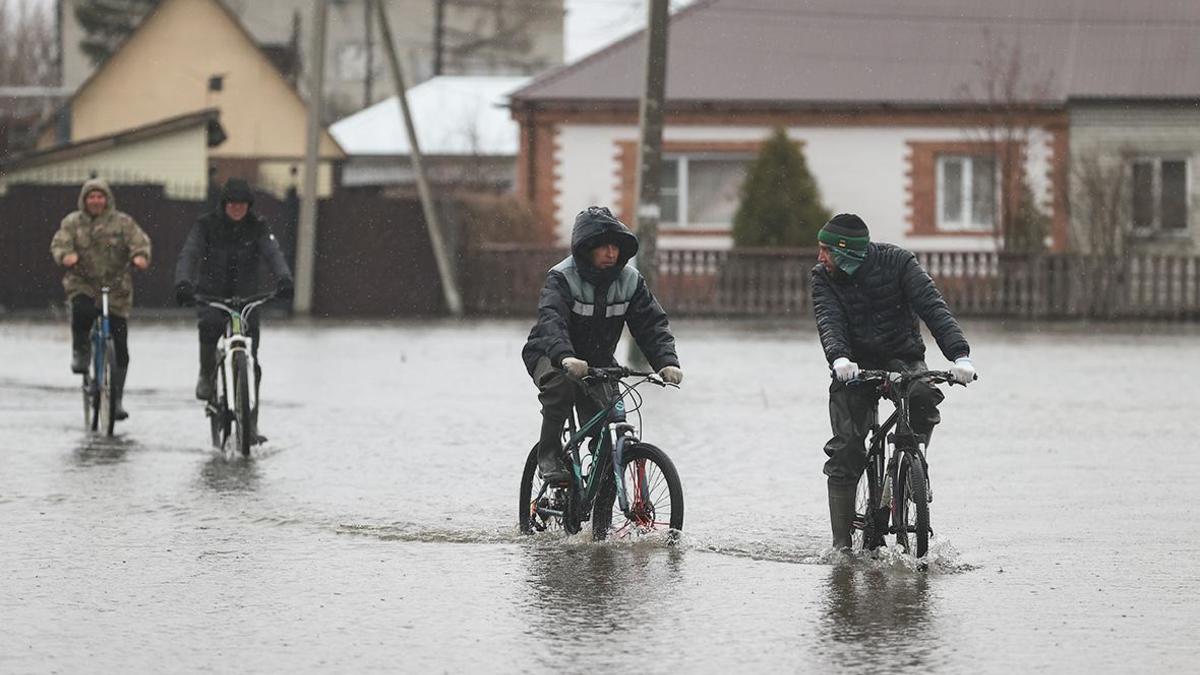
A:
[105,244]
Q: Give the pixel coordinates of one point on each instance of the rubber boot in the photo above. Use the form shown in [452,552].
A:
[841,514]
[79,359]
[205,383]
[118,393]
[550,462]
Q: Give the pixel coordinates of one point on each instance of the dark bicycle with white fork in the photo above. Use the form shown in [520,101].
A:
[99,402]
[894,492]
[233,408]
[626,487]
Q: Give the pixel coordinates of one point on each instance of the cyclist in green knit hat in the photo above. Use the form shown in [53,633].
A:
[868,298]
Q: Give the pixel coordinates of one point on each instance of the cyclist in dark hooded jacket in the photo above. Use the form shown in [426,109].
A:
[588,299]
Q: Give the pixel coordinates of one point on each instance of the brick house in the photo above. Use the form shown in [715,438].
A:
[890,105]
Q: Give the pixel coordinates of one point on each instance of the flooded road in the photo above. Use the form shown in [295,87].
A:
[376,529]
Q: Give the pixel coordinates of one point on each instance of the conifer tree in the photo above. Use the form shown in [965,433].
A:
[780,202]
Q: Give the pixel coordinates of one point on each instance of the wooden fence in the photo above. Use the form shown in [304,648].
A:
[506,279]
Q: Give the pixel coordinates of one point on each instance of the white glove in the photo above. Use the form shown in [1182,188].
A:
[962,370]
[845,369]
[574,366]
[671,374]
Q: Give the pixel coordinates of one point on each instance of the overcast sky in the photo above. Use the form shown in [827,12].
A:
[592,24]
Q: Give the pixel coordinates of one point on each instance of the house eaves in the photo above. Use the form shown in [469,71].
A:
[209,118]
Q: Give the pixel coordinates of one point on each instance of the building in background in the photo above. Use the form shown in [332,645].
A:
[467,137]
[435,37]
[189,56]
[925,121]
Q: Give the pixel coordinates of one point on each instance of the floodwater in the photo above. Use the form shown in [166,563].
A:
[376,530]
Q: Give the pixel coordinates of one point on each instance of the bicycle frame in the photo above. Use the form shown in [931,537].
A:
[235,339]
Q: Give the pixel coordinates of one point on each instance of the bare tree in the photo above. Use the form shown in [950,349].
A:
[1100,217]
[27,50]
[1011,96]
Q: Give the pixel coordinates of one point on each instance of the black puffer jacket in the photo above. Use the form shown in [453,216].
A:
[228,254]
[582,310]
[871,316]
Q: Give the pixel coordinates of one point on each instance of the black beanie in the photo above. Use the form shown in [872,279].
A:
[845,230]
[237,190]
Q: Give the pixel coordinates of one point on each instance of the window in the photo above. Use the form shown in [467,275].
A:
[1159,194]
[966,192]
[701,191]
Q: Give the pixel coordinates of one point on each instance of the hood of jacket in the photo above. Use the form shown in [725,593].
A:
[102,186]
[596,225]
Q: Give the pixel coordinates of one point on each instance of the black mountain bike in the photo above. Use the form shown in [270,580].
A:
[626,487]
[894,492]
[233,409]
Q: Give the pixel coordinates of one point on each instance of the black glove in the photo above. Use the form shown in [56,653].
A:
[285,289]
[185,294]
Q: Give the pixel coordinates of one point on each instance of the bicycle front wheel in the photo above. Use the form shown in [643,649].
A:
[654,495]
[108,417]
[912,506]
[241,404]
[869,527]
[544,508]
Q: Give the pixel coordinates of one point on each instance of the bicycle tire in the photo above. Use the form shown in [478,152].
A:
[241,404]
[647,514]
[867,501]
[529,519]
[87,401]
[107,404]
[912,506]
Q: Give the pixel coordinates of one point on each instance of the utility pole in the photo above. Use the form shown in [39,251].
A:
[432,224]
[368,40]
[306,229]
[439,35]
[649,176]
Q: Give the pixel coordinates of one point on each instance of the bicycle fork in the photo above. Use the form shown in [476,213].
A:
[239,344]
[623,434]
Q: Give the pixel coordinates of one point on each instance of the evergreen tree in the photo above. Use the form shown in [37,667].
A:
[1028,226]
[106,24]
[780,202]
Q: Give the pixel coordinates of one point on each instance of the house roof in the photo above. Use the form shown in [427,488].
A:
[208,117]
[920,53]
[453,116]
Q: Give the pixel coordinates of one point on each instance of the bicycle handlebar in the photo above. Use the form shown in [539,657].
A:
[621,372]
[213,299]
[934,376]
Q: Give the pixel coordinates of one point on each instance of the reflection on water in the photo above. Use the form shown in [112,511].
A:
[95,450]
[576,593]
[230,475]
[881,613]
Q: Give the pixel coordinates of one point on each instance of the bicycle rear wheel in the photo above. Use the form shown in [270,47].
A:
[912,506]
[544,508]
[107,404]
[655,496]
[241,404]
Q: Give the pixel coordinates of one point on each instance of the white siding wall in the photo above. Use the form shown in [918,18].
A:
[858,169]
[179,160]
[1108,131]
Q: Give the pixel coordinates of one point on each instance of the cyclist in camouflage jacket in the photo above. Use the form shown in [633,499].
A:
[96,244]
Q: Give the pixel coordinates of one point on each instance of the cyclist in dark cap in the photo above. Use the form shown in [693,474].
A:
[867,298]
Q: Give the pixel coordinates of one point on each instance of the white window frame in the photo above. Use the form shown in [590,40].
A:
[1156,226]
[965,225]
[681,176]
